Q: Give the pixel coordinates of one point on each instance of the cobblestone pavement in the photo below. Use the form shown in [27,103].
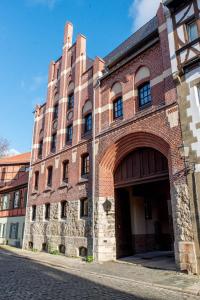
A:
[21,278]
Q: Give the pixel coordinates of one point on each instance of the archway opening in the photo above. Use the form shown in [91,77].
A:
[142,204]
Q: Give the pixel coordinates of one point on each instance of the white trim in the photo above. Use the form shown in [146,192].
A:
[47,139]
[161,77]
[36,146]
[61,131]
[78,122]
[63,100]
[49,110]
[162,27]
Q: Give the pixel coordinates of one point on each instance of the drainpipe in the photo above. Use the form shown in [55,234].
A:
[97,84]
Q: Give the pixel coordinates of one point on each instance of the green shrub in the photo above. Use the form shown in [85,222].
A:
[89,259]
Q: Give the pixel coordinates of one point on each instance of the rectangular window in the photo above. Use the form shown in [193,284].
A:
[69,133]
[83,208]
[63,210]
[198,92]
[16,200]
[47,211]
[25,197]
[65,171]
[49,176]
[70,102]
[36,180]
[117,108]
[5,201]
[85,165]
[53,142]
[33,213]
[13,231]
[144,94]
[55,112]
[2,230]
[40,149]
[192,31]
[88,123]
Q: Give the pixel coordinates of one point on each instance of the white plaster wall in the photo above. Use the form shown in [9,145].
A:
[180,15]
[8,221]
[194,109]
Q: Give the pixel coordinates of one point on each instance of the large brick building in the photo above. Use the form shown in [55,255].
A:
[107,175]
[14,172]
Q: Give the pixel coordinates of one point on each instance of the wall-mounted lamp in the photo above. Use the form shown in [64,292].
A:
[107,205]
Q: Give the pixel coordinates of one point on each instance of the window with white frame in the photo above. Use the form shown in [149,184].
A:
[16,200]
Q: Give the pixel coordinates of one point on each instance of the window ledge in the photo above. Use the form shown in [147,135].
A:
[34,193]
[82,181]
[47,189]
[63,185]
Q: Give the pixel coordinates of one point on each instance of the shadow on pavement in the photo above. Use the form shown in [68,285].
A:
[21,278]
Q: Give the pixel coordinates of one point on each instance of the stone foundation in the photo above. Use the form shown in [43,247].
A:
[72,232]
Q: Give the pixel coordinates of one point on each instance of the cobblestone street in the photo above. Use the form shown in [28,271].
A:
[21,278]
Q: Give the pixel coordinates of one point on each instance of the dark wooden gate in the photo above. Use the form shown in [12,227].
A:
[123,224]
[142,165]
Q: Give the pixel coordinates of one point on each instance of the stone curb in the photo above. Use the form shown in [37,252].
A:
[172,288]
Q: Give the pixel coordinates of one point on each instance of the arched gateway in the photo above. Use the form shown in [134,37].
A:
[141,179]
[143,213]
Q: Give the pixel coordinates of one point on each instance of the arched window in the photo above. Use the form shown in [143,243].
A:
[49,176]
[62,249]
[116,96]
[70,92]
[65,171]
[85,165]
[82,252]
[88,122]
[87,117]
[63,208]
[144,94]
[117,108]
[142,84]
[36,182]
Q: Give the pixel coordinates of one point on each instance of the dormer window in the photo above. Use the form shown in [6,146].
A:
[192,31]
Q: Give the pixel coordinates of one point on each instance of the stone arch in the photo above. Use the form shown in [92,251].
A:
[70,88]
[117,151]
[142,74]
[87,107]
[116,90]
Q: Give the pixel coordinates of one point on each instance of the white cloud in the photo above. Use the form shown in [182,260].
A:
[49,3]
[141,11]
[37,82]
[12,152]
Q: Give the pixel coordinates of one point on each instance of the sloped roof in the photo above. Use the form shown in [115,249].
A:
[134,40]
[16,159]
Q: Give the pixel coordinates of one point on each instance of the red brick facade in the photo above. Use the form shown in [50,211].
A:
[120,75]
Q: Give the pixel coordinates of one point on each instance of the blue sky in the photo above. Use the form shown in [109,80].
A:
[31,35]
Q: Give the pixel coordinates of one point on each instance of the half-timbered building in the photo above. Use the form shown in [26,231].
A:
[183,25]
[14,172]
